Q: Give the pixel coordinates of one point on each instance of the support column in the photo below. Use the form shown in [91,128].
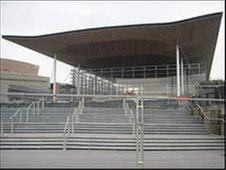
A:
[178,70]
[74,79]
[182,77]
[78,80]
[54,77]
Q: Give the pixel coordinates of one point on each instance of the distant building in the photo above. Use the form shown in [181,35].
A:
[64,88]
[17,76]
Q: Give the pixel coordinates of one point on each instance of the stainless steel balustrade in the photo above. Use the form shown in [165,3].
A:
[89,116]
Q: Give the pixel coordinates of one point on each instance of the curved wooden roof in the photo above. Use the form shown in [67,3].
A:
[131,45]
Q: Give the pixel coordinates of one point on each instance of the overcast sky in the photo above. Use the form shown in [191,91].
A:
[37,18]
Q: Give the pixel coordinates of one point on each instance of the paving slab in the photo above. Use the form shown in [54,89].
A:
[111,159]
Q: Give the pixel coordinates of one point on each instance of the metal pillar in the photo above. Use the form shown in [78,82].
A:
[182,77]
[78,80]
[178,70]
[140,131]
[74,79]
[54,76]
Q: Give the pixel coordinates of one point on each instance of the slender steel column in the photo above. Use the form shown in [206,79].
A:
[182,77]
[78,80]
[54,76]
[178,70]
[74,78]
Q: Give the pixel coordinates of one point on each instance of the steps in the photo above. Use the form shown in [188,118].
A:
[112,142]
[102,128]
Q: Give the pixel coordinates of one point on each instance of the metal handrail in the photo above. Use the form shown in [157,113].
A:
[203,112]
[21,111]
[131,116]
[65,131]
[207,117]
[70,119]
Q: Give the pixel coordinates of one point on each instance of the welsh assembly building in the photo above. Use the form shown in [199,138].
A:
[165,59]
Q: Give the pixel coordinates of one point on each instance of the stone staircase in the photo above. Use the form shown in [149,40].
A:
[111,142]
[110,129]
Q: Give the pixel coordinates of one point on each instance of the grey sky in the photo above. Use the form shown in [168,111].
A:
[36,18]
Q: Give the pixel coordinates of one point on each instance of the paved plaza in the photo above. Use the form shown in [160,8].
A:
[110,159]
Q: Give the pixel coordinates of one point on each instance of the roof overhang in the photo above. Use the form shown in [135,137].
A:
[131,45]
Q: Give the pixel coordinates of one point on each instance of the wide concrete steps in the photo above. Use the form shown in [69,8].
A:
[112,142]
[107,128]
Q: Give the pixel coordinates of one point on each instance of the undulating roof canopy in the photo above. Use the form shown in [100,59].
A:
[131,45]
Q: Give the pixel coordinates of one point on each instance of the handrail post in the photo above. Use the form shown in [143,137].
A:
[11,125]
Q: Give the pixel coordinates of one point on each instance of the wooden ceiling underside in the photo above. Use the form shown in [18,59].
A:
[130,45]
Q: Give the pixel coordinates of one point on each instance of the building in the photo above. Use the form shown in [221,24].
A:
[164,58]
[17,76]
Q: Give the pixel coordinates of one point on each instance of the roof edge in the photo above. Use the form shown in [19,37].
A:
[119,26]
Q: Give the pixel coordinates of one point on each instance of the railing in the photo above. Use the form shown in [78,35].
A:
[21,111]
[71,120]
[129,113]
[207,117]
[66,131]
[203,112]
[145,71]
[18,111]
